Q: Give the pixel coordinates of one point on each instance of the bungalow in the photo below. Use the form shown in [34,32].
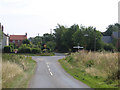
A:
[17,39]
[4,38]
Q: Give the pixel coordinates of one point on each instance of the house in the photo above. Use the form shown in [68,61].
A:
[109,39]
[4,38]
[17,39]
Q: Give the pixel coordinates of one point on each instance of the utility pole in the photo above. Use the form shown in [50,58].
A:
[95,40]
[50,31]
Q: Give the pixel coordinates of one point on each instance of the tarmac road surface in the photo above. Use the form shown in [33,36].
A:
[50,74]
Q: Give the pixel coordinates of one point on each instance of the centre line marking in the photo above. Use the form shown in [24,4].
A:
[51,73]
[49,69]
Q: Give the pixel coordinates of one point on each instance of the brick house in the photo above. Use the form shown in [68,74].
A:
[17,39]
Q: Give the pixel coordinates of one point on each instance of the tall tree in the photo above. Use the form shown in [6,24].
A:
[112,28]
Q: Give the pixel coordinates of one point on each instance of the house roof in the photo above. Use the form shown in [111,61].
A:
[107,39]
[116,35]
[6,35]
[18,37]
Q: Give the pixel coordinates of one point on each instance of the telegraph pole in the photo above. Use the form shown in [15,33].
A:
[95,40]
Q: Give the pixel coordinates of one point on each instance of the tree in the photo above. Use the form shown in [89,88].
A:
[78,37]
[26,41]
[112,28]
[48,37]
[58,37]
[51,45]
[35,40]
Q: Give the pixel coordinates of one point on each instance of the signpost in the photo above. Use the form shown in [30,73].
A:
[78,47]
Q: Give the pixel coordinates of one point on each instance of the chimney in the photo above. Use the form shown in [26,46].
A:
[26,34]
[2,28]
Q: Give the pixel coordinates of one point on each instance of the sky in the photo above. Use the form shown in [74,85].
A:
[39,16]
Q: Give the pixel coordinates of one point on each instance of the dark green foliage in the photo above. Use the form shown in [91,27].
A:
[36,40]
[7,49]
[67,38]
[24,50]
[108,47]
[45,50]
[35,50]
[112,28]
[26,41]
[13,46]
[51,45]
[48,37]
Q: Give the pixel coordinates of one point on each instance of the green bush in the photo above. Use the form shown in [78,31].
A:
[35,50]
[7,49]
[24,50]
[45,50]
[108,47]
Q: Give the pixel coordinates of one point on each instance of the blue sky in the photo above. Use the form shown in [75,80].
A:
[39,16]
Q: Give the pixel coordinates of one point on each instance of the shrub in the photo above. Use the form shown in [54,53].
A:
[108,47]
[26,41]
[7,49]
[44,50]
[24,50]
[27,50]
[35,50]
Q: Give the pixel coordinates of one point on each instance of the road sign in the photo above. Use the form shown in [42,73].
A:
[77,47]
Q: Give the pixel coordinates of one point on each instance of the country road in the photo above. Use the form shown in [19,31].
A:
[50,74]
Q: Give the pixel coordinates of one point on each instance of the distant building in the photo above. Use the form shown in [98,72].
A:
[4,38]
[109,39]
[17,39]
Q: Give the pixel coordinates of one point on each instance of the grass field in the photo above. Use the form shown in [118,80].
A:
[17,70]
[96,69]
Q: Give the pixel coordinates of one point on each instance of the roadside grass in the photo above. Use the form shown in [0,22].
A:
[96,69]
[17,70]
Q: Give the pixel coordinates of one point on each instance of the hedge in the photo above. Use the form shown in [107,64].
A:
[24,50]
[35,50]
[7,49]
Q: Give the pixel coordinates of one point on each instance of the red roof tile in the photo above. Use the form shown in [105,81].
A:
[18,37]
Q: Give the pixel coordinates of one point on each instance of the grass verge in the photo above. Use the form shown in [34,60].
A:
[17,70]
[97,70]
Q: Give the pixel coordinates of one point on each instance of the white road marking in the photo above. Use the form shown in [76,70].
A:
[47,65]
[49,69]
[51,73]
